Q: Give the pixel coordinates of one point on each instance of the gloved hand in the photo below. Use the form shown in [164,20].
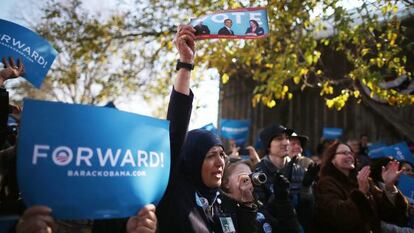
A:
[281,187]
[294,159]
[310,175]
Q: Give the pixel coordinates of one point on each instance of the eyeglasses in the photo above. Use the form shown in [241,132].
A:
[345,153]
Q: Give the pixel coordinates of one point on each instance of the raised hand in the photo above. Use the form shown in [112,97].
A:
[36,219]
[391,173]
[234,150]
[254,157]
[362,177]
[11,70]
[281,187]
[310,174]
[184,41]
[144,222]
[246,189]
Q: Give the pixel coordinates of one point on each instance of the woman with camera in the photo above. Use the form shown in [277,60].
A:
[237,202]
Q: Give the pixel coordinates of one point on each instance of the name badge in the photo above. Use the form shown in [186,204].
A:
[227,224]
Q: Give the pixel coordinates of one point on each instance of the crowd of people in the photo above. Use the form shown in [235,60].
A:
[209,191]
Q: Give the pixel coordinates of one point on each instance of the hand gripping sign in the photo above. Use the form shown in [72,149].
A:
[89,162]
[243,23]
[35,52]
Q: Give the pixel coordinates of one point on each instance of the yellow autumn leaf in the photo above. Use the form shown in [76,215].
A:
[256,98]
[317,56]
[169,45]
[392,38]
[329,103]
[285,89]
[395,9]
[271,104]
[356,94]
[296,79]
[303,71]
[309,59]
[225,78]
[364,51]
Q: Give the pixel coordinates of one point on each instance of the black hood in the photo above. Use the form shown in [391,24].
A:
[195,148]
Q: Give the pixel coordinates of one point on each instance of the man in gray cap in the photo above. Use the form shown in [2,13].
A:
[301,172]
[296,145]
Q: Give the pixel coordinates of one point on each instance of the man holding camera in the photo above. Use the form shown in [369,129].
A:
[274,193]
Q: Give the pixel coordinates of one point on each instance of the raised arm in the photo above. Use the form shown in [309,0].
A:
[179,108]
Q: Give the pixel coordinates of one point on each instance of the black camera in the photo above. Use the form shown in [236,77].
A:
[258,178]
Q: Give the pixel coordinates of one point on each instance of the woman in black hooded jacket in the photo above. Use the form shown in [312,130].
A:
[196,169]
[187,205]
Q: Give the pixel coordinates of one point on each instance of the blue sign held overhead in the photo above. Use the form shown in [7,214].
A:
[399,151]
[376,150]
[332,133]
[238,130]
[36,53]
[88,162]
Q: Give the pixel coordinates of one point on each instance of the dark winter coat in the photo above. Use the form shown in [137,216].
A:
[342,208]
[279,214]
[187,205]
[243,217]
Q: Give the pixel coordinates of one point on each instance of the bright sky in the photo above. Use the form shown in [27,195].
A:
[205,107]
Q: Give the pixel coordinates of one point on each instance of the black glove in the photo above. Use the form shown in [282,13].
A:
[294,159]
[310,175]
[281,187]
[289,168]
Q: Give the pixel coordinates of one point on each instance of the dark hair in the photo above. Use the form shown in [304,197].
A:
[320,149]
[376,168]
[255,22]
[231,164]
[227,19]
[329,155]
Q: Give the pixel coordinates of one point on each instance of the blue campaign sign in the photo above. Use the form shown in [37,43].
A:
[36,53]
[237,130]
[376,145]
[242,23]
[399,151]
[406,185]
[332,133]
[88,162]
[375,150]
[210,127]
